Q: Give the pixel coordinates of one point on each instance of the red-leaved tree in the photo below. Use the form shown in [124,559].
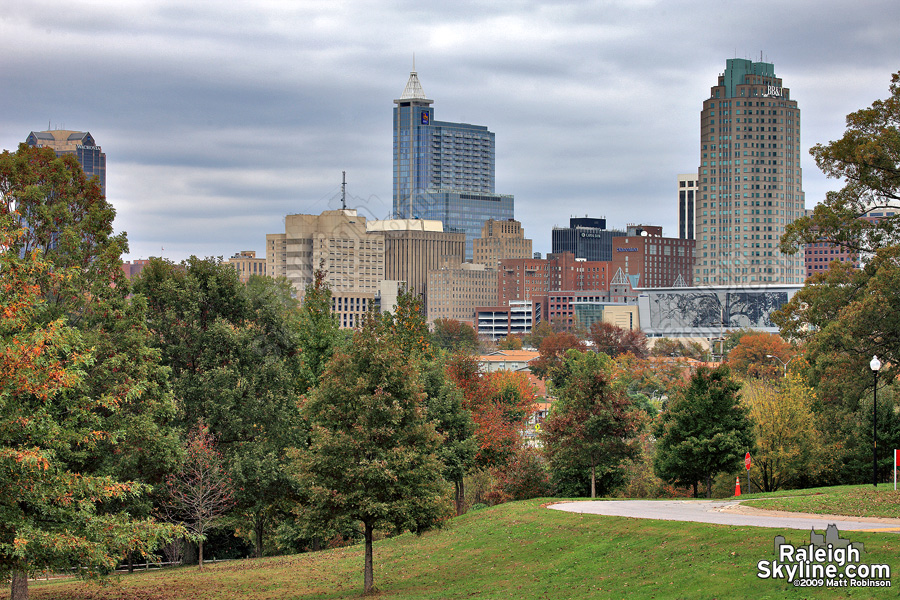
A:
[201,493]
[499,401]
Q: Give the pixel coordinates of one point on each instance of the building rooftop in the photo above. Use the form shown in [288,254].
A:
[405,225]
[413,89]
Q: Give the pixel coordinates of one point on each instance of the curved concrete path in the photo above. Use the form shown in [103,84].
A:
[724,512]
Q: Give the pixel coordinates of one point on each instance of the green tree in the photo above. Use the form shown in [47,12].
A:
[318,332]
[233,352]
[540,330]
[454,422]
[846,315]
[592,424]
[866,158]
[69,221]
[373,453]
[408,327]
[510,342]
[703,431]
[454,336]
[553,349]
[65,217]
[52,517]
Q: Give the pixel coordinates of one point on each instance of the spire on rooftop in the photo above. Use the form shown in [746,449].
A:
[413,89]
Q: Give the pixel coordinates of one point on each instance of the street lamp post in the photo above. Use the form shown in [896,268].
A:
[784,364]
[875,365]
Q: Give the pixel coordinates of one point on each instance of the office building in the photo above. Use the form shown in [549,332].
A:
[442,170]
[535,278]
[749,179]
[133,269]
[687,198]
[818,256]
[586,238]
[80,143]
[455,290]
[413,247]
[648,260]
[500,240]
[246,264]
[336,241]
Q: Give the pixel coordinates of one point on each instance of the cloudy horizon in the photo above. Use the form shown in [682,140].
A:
[217,121]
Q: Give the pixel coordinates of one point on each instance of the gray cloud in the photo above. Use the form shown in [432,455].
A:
[219,120]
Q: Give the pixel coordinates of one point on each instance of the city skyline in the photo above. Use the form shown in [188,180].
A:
[218,124]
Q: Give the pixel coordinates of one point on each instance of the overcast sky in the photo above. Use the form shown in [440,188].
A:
[219,118]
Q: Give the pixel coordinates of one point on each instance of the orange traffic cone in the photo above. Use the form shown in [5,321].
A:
[737,487]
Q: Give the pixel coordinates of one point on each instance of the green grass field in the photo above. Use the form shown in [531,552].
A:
[516,550]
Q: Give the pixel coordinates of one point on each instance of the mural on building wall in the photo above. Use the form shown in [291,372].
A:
[671,311]
[754,309]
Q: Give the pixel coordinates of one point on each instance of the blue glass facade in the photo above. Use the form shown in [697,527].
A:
[443,170]
[465,212]
[79,143]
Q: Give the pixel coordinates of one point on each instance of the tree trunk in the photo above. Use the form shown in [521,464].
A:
[709,486]
[695,490]
[593,480]
[19,588]
[200,554]
[460,496]
[259,526]
[368,572]
[131,562]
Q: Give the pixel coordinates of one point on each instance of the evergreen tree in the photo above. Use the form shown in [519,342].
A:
[703,431]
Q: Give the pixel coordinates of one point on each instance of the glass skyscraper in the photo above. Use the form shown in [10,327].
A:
[443,171]
[79,143]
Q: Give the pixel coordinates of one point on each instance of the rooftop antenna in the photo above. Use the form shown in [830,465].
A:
[343,190]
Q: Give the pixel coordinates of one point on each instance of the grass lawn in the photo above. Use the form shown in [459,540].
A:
[517,550]
[851,500]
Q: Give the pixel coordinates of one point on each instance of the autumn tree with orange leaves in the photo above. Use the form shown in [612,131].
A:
[761,355]
[500,403]
[52,517]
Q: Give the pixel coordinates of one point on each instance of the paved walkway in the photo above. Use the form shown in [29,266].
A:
[724,512]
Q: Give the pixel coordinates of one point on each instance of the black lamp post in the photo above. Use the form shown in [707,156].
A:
[875,365]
